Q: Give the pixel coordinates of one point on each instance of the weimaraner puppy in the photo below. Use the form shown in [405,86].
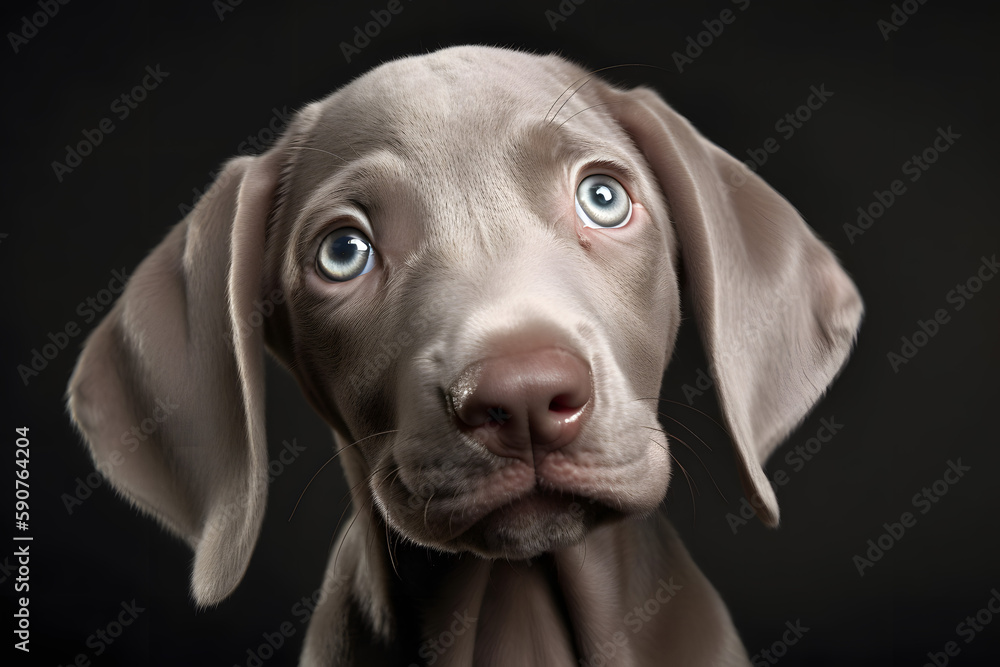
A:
[471,262]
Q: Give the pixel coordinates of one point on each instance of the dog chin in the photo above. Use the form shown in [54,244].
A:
[533,525]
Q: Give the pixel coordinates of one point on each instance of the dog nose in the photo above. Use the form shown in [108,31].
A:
[524,405]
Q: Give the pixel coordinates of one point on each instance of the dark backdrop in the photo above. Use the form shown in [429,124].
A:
[65,234]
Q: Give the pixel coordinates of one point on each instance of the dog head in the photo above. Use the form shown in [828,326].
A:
[469,261]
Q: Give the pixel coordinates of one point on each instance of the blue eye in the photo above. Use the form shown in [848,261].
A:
[602,203]
[345,254]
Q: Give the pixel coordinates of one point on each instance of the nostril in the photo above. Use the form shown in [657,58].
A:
[563,404]
[519,402]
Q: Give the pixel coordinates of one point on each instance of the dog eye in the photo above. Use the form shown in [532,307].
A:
[602,203]
[345,254]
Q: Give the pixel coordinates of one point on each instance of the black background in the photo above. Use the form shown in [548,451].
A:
[63,240]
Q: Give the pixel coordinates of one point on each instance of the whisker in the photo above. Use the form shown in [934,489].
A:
[694,502]
[318,150]
[388,548]
[689,407]
[588,77]
[349,505]
[691,481]
[340,548]
[335,131]
[427,506]
[664,414]
[370,507]
[371,539]
[328,461]
[593,106]
[697,456]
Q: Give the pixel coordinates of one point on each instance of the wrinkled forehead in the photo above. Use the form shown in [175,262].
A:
[457,115]
[452,102]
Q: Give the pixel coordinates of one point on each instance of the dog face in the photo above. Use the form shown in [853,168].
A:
[472,278]
[469,261]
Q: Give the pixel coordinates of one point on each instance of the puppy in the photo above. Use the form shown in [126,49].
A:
[470,262]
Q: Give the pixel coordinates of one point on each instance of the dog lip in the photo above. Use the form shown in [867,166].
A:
[491,493]
[452,516]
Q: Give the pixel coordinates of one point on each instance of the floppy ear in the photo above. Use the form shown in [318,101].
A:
[777,313]
[169,389]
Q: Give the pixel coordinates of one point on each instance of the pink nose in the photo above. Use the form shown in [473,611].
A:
[524,405]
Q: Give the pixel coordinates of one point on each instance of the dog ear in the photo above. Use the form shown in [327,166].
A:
[776,312]
[169,388]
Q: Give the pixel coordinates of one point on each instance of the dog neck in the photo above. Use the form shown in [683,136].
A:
[628,595]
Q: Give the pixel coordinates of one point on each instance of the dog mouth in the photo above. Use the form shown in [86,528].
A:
[511,514]
[512,508]
[535,523]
